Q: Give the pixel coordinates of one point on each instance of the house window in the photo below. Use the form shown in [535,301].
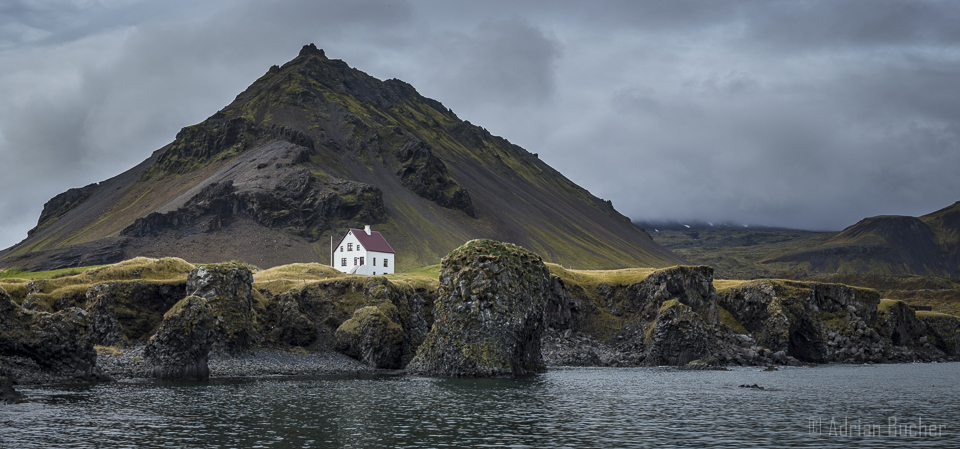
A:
[358,247]
[341,249]
[354,261]
[343,262]
[374,261]
[361,261]
[385,263]
[349,246]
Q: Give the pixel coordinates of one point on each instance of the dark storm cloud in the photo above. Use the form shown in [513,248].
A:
[807,114]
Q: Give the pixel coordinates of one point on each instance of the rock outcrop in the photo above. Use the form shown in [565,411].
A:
[373,336]
[128,312]
[426,175]
[489,313]
[296,201]
[564,311]
[180,349]
[58,342]
[784,315]
[61,204]
[761,322]
[311,315]
[679,336]
[290,326]
[691,285]
[228,289]
[944,331]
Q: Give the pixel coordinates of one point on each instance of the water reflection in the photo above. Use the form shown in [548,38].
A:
[582,407]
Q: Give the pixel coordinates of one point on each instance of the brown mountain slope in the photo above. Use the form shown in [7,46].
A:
[315,147]
[926,245]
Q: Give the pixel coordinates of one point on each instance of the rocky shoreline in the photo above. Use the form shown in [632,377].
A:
[560,349]
[729,349]
[498,312]
[128,363]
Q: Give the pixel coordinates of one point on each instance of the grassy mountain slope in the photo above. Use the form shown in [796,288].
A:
[315,147]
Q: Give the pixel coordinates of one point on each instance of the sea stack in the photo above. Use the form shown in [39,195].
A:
[489,313]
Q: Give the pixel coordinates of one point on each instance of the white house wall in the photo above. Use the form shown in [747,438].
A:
[348,250]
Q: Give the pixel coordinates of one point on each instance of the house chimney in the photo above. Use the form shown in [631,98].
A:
[366,228]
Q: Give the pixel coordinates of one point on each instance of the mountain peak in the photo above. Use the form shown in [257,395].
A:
[315,147]
[311,49]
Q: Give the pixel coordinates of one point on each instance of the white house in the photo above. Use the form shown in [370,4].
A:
[363,251]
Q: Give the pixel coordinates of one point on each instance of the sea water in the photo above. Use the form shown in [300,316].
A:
[905,405]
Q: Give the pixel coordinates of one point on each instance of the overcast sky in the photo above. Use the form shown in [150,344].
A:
[805,114]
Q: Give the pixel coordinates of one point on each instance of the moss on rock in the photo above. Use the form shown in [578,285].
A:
[679,336]
[489,313]
[372,337]
[180,349]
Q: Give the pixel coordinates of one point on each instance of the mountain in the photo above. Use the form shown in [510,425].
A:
[889,244]
[313,148]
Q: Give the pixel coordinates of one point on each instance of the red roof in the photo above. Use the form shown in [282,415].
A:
[372,242]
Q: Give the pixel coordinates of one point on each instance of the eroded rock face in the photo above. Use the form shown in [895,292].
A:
[58,342]
[691,285]
[563,310]
[898,323]
[373,336]
[180,349]
[679,336]
[426,175]
[123,312]
[945,330]
[489,313]
[105,330]
[786,315]
[228,290]
[312,314]
[289,325]
[62,204]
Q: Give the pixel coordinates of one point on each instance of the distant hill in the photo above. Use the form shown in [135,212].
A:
[882,245]
[313,148]
[889,244]
[737,252]
[697,225]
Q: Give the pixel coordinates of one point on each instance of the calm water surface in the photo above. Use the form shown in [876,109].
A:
[577,407]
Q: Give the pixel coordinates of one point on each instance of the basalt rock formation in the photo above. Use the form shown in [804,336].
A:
[58,342]
[228,289]
[373,336]
[764,322]
[337,314]
[489,313]
[128,312]
[679,336]
[180,349]
[312,148]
